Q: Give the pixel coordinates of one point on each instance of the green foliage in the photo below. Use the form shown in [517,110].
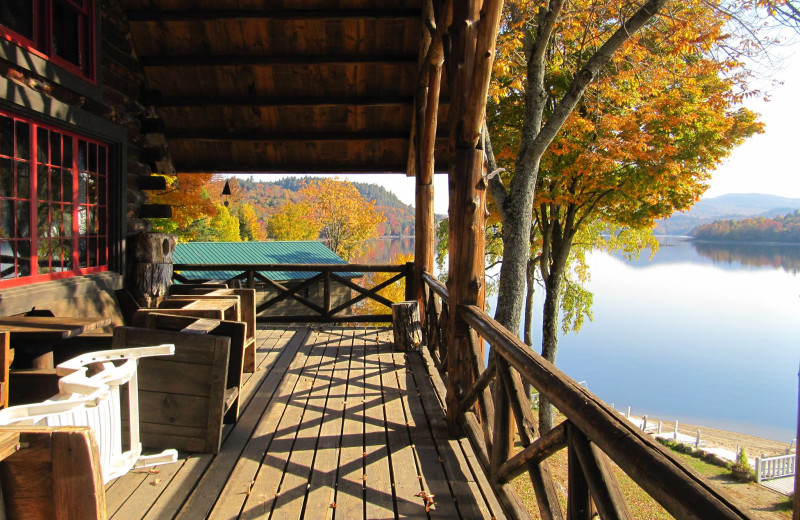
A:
[758,229]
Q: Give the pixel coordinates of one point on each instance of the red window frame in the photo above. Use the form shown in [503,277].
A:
[57,180]
[43,42]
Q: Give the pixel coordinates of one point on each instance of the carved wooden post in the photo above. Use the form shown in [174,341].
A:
[422,146]
[405,325]
[152,269]
[472,36]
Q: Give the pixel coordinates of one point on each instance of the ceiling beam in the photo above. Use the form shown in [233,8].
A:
[180,15]
[216,135]
[179,102]
[207,60]
[398,169]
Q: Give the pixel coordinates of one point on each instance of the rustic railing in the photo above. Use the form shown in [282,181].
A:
[324,309]
[592,432]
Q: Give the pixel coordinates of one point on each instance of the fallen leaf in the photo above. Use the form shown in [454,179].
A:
[333,505]
[156,482]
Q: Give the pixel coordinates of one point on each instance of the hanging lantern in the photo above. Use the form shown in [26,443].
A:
[226,193]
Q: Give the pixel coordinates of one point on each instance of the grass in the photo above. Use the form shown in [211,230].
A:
[761,503]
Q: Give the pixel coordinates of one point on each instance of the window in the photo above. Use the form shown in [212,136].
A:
[60,30]
[53,210]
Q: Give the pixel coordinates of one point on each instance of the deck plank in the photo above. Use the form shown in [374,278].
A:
[349,499]
[379,496]
[322,484]
[292,492]
[463,470]
[220,471]
[335,425]
[403,459]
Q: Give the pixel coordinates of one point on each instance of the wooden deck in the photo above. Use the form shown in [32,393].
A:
[334,425]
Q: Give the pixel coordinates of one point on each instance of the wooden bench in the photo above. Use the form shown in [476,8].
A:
[184,399]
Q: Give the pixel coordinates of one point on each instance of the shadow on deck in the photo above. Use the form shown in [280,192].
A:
[335,424]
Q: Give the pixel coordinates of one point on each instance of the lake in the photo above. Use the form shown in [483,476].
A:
[704,333]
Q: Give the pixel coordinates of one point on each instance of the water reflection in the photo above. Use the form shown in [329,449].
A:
[784,257]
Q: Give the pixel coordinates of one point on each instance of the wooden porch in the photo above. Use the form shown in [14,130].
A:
[334,424]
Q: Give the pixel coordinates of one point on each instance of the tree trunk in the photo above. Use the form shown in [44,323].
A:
[528,326]
[550,315]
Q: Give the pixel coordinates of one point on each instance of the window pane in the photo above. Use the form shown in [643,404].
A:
[101,190]
[17,15]
[101,220]
[67,218]
[82,220]
[42,145]
[6,136]
[44,256]
[66,183]
[66,32]
[23,140]
[91,220]
[103,259]
[55,184]
[23,180]
[6,178]
[23,219]
[24,258]
[7,218]
[102,161]
[83,178]
[67,254]
[7,260]
[92,252]
[42,182]
[56,219]
[82,155]
[67,152]
[55,148]
[92,157]
[92,188]
[43,227]
[82,253]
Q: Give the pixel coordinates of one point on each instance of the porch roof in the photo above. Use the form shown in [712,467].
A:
[322,86]
[272,252]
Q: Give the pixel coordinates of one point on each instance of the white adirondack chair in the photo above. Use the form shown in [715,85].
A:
[94,401]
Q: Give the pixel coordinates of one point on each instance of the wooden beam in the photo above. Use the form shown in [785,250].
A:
[155,211]
[219,135]
[182,15]
[539,450]
[602,483]
[276,169]
[579,500]
[152,183]
[258,101]
[228,60]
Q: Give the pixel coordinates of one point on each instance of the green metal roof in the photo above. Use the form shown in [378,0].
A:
[283,252]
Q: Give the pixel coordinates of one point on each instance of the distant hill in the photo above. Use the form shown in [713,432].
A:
[734,206]
[267,197]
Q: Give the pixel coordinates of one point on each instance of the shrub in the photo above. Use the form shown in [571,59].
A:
[741,468]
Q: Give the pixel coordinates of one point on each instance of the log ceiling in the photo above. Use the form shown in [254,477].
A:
[323,86]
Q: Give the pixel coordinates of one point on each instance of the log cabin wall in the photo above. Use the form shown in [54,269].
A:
[100,101]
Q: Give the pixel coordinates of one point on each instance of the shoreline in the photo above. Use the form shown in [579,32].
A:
[754,446]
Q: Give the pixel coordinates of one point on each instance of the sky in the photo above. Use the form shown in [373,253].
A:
[766,163]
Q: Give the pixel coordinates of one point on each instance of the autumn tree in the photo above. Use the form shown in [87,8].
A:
[641,125]
[345,218]
[294,221]
[191,204]
[250,228]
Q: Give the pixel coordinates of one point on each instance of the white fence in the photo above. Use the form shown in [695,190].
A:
[775,467]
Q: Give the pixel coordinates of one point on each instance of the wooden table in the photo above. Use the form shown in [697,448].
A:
[35,337]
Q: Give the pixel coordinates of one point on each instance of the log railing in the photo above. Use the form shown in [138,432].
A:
[592,433]
[322,281]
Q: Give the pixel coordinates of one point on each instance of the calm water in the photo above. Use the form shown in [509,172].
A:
[703,333]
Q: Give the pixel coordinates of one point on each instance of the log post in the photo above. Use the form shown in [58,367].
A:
[406,326]
[152,269]
[423,143]
[472,37]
